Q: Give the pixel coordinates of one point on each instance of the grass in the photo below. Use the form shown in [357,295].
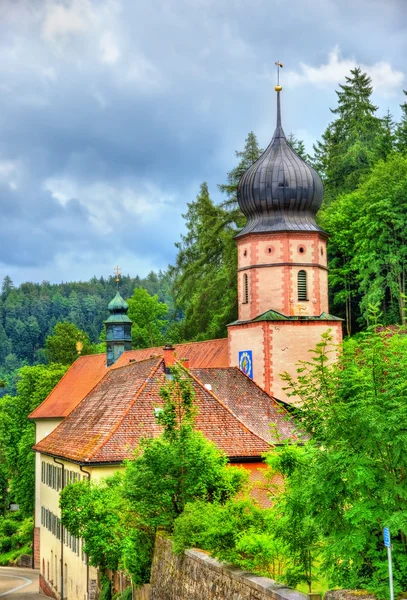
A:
[13,555]
[319,586]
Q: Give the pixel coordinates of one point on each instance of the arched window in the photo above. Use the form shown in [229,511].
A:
[245,289]
[302,285]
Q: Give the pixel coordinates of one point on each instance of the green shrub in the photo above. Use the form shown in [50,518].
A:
[8,527]
[24,534]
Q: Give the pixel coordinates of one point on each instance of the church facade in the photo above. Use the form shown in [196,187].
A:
[104,404]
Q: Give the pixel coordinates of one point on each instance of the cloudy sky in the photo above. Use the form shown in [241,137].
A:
[112,112]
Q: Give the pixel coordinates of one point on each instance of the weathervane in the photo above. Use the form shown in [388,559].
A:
[279,65]
[117,273]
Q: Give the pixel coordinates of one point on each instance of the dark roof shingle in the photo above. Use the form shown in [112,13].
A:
[108,424]
[252,405]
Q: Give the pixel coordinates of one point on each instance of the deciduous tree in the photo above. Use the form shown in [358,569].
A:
[351,472]
[149,319]
[67,343]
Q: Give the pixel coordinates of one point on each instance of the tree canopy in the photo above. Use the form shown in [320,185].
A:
[149,319]
[17,435]
[66,343]
[348,481]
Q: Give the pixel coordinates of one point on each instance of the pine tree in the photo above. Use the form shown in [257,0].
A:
[350,144]
[348,150]
[6,287]
[205,269]
[299,147]
[248,156]
[401,129]
[387,137]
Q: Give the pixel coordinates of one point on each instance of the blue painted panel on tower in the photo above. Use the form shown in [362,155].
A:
[246,362]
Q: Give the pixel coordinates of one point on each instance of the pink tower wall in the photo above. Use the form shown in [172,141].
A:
[277,347]
[271,262]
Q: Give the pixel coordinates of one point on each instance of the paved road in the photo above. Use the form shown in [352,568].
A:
[19,584]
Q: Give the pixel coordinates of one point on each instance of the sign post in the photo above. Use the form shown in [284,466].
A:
[387,543]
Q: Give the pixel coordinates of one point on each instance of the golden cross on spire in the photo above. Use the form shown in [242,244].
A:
[117,272]
[279,65]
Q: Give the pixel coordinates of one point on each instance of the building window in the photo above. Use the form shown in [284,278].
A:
[245,289]
[302,285]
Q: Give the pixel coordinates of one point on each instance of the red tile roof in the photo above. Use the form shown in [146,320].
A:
[88,426]
[110,421]
[77,382]
[212,353]
[87,371]
[250,403]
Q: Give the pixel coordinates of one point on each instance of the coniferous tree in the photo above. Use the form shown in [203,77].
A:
[205,270]
[6,287]
[299,147]
[387,136]
[401,129]
[248,156]
[349,146]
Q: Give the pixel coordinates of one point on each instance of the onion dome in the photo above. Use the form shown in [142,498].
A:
[118,310]
[118,305]
[280,191]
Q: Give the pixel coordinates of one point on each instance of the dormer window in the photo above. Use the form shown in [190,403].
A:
[302,285]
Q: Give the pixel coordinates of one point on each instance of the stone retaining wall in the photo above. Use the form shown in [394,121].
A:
[196,575]
[349,595]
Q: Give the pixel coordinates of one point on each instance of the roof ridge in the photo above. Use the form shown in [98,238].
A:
[126,412]
[132,362]
[199,382]
[200,342]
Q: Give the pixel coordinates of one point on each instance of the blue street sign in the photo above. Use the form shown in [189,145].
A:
[386,537]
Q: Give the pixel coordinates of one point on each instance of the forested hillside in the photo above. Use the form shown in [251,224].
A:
[29,313]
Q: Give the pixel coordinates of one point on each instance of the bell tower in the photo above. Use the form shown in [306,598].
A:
[282,266]
[118,327]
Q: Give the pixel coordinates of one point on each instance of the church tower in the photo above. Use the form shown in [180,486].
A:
[282,267]
[118,328]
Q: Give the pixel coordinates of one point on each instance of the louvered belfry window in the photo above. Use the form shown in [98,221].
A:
[302,285]
[245,289]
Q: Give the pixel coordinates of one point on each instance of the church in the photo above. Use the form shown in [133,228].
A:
[105,403]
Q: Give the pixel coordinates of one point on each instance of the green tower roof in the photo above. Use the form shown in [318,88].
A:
[118,310]
[118,304]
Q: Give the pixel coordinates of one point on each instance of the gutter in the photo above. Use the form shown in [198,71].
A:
[81,463]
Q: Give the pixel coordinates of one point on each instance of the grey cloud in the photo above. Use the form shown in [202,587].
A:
[166,109]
